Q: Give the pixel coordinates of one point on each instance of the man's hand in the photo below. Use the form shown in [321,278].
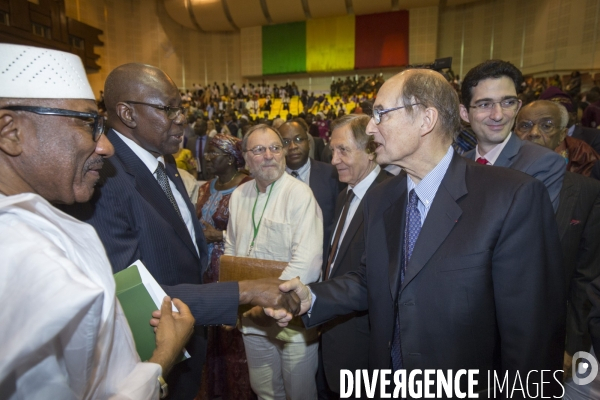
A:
[257,315]
[173,330]
[293,286]
[266,293]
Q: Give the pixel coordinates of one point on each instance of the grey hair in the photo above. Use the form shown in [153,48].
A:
[259,127]
[432,90]
[358,125]
[564,116]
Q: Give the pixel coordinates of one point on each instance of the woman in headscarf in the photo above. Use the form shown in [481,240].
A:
[226,372]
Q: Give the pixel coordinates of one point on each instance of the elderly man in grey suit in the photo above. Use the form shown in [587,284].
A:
[490,105]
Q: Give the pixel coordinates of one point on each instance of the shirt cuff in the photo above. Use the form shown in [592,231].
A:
[313,298]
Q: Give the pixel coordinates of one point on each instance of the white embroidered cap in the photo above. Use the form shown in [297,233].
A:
[34,73]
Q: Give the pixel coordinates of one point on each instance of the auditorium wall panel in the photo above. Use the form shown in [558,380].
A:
[142,31]
[536,35]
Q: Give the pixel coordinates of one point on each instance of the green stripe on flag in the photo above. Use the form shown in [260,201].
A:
[284,48]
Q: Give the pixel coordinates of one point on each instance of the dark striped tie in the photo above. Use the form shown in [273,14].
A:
[163,181]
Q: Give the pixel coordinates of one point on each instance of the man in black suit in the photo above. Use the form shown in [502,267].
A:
[494,302]
[578,219]
[197,144]
[490,104]
[345,340]
[321,177]
[141,209]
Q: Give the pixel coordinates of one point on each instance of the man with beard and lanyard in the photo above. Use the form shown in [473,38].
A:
[276,217]
[64,333]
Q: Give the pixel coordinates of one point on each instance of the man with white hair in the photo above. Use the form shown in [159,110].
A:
[276,217]
[65,335]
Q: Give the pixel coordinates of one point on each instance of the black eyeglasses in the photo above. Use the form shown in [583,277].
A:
[172,112]
[297,140]
[94,120]
[378,113]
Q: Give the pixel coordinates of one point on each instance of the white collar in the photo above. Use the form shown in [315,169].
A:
[144,155]
[300,170]
[494,153]
[360,189]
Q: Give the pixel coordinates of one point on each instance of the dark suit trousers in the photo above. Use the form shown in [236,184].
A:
[187,375]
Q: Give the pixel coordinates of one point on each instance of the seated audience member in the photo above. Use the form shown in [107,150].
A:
[196,144]
[578,219]
[545,123]
[211,129]
[589,135]
[185,161]
[591,114]
[65,335]
[225,373]
[322,178]
[345,340]
[490,104]
[276,217]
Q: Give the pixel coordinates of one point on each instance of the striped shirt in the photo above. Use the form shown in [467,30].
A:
[427,188]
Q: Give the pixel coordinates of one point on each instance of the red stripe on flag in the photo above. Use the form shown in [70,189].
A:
[381,40]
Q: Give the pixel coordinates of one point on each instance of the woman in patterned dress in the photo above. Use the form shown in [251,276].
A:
[225,372]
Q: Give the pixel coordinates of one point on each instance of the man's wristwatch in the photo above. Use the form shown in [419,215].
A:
[164,388]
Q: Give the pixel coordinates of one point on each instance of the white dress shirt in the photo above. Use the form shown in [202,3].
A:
[492,155]
[359,192]
[303,172]
[151,163]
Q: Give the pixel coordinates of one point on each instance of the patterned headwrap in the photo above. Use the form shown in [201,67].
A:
[229,145]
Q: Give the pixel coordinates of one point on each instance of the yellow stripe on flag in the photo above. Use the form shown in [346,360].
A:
[330,44]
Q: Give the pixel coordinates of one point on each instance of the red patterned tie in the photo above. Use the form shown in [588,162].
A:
[482,161]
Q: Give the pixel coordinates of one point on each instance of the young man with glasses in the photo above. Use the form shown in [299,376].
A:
[276,217]
[490,104]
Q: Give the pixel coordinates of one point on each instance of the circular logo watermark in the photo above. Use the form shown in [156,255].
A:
[588,363]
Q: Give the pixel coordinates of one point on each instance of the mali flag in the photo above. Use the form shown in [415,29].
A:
[336,44]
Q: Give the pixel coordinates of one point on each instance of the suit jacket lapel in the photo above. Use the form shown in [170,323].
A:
[357,218]
[149,189]
[509,151]
[443,215]
[394,221]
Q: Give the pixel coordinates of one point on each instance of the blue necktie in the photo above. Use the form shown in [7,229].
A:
[411,233]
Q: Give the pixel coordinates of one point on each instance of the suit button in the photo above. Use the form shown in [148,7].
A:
[390,344]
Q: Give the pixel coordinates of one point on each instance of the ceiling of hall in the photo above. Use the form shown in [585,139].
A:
[231,15]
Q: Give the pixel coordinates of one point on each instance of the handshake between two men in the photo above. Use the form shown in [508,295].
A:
[280,301]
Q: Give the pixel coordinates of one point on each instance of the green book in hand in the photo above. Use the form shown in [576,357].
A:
[138,306]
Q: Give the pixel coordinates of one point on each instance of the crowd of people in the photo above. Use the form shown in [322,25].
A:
[404,244]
